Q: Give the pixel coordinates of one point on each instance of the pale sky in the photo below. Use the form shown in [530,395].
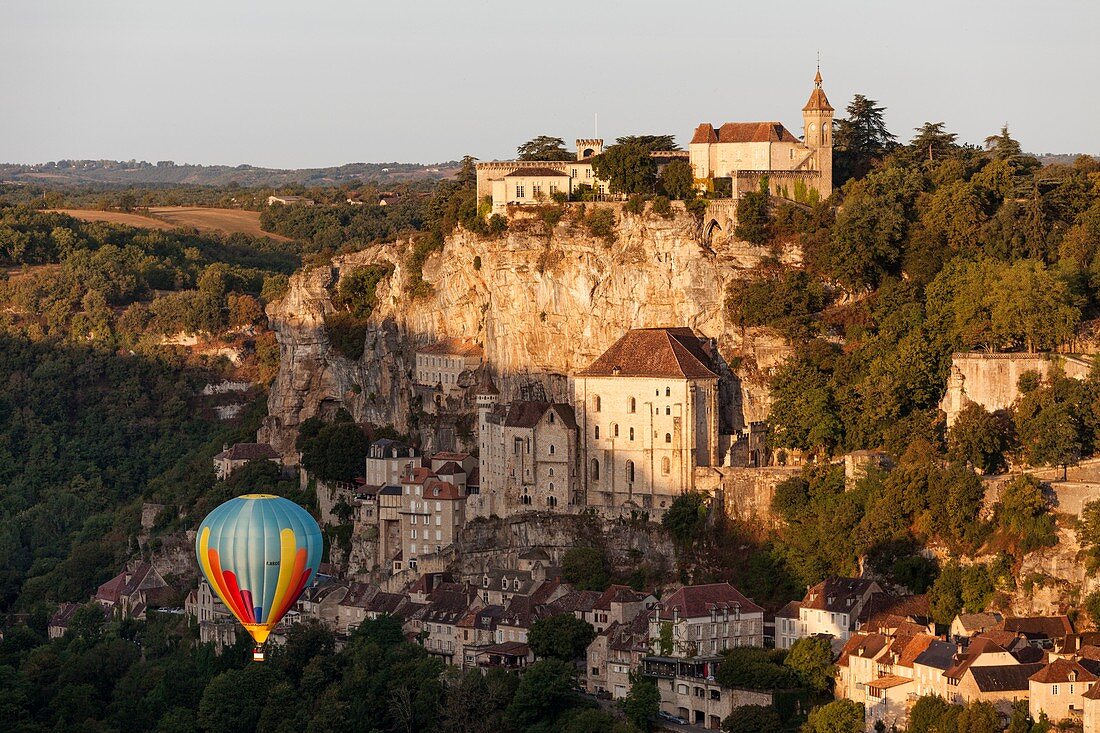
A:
[324,82]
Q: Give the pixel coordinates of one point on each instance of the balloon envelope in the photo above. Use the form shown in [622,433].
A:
[258,552]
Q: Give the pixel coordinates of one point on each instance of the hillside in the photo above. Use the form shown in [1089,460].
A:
[204,219]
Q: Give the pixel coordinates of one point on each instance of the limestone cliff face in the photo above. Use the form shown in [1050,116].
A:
[542,306]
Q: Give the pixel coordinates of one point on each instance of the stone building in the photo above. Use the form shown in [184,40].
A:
[432,513]
[240,454]
[527,458]
[698,620]
[647,412]
[742,152]
[442,365]
[389,460]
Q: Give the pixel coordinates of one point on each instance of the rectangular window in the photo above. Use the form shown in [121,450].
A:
[519,191]
[536,189]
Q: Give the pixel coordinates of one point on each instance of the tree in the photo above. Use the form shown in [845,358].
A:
[839,716]
[753,221]
[336,453]
[544,693]
[544,147]
[650,143]
[563,636]
[979,438]
[859,139]
[356,292]
[595,721]
[627,168]
[642,703]
[1002,145]
[234,700]
[932,140]
[812,660]
[753,719]
[1048,428]
[678,180]
[686,517]
[926,714]
[1023,511]
[586,568]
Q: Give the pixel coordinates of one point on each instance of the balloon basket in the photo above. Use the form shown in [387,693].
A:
[258,654]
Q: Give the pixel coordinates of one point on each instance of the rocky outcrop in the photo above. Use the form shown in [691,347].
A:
[542,307]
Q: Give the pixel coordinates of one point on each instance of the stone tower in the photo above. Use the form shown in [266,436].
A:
[588,147]
[817,120]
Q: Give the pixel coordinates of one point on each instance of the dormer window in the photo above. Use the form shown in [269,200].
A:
[485,581]
[504,584]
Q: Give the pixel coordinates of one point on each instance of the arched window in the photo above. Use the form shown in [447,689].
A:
[668,437]
[525,499]
[615,429]
[551,485]
[551,419]
[633,404]
[666,466]
[668,410]
[630,471]
[551,470]
[551,501]
[595,469]
[596,434]
[552,449]
[668,392]
[632,433]
[596,402]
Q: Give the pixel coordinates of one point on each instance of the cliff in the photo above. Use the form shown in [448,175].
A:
[542,305]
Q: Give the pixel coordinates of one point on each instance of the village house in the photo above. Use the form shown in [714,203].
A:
[62,619]
[698,620]
[1045,632]
[387,461]
[448,365]
[527,457]
[833,607]
[647,414]
[432,513]
[285,200]
[436,624]
[688,690]
[134,590]
[879,671]
[1058,689]
[966,625]
[614,654]
[230,459]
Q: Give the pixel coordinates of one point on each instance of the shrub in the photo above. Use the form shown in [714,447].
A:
[662,207]
[356,291]
[497,225]
[635,205]
[601,223]
[346,333]
[586,568]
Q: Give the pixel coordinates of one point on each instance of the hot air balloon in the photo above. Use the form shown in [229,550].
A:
[258,552]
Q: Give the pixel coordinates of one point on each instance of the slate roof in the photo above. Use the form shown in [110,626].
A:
[1060,670]
[527,414]
[618,594]
[1049,627]
[743,132]
[1004,677]
[834,594]
[696,601]
[386,448]
[789,611]
[675,353]
[972,622]
[938,655]
[507,649]
[573,601]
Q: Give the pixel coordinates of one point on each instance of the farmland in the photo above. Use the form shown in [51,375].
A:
[227,221]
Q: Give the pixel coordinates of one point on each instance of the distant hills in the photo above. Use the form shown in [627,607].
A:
[168,173]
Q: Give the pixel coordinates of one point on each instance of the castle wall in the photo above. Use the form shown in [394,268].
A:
[991,379]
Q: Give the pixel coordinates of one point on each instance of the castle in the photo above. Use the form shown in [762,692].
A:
[643,418]
[740,152]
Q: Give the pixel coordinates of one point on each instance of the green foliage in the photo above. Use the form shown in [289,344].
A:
[753,221]
[544,147]
[586,568]
[686,518]
[1051,423]
[650,143]
[601,223]
[959,589]
[662,207]
[1023,512]
[839,716]
[860,139]
[812,660]
[1091,605]
[1088,533]
[979,438]
[784,299]
[753,719]
[346,333]
[336,452]
[678,180]
[563,637]
[756,669]
[545,692]
[356,291]
[642,703]
[628,168]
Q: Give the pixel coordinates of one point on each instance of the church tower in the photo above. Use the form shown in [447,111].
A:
[817,120]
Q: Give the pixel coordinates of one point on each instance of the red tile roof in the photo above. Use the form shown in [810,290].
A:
[537,173]
[1060,670]
[697,601]
[743,132]
[676,353]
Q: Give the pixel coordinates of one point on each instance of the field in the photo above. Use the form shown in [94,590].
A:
[226,221]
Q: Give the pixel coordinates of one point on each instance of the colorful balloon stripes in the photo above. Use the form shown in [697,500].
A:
[258,552]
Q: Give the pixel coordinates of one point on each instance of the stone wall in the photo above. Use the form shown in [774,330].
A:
[990,379]
[746,493]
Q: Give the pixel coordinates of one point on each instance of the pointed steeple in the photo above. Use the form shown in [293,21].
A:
[818,102]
